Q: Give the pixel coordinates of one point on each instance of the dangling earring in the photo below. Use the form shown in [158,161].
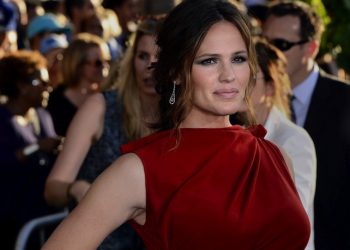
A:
[172,97]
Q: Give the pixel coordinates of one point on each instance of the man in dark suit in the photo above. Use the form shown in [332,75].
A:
[321,105]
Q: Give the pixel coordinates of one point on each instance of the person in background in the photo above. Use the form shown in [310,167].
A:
[329,64]
[199,182]
[322,107]
[103,24]
[154,7]
[42,26]
[21,22]
[77,11]
[270,99]
[119,115]
[33,9]
[84,67]
[28,143]
[8,34]
[52,48]
[56,7]
[257,9]
[127,12]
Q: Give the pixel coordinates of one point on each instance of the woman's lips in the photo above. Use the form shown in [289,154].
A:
[226,93]
[149,82]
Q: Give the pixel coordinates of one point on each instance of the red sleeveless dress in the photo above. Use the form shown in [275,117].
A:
[218,189]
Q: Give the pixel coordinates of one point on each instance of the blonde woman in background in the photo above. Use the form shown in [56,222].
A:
[103,124]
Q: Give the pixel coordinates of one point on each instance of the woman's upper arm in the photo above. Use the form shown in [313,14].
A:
[84,128]
[117,195]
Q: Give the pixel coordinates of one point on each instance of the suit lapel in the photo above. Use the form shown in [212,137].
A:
[319,108]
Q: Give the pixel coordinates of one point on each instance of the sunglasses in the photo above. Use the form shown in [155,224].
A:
[97,63]
[285,45]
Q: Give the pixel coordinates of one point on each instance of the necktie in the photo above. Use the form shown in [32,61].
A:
[292,112]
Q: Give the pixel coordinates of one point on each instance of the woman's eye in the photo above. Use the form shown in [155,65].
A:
[208,61]
[143,56]
[239,59]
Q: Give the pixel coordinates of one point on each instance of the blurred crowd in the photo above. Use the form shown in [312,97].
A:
[76,83]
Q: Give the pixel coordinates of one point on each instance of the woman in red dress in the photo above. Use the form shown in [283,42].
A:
[199,183]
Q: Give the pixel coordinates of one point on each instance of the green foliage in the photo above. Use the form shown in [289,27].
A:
[336,16]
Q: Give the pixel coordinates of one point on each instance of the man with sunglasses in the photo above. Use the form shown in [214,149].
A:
[321,105]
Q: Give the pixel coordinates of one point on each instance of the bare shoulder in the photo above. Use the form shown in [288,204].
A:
[126,168]
[96,102]
[127,172]
[93,108]
[90,116]
[129,163]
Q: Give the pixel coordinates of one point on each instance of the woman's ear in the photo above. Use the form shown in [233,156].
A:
[178,81]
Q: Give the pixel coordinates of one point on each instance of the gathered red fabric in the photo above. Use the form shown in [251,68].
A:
[224,188]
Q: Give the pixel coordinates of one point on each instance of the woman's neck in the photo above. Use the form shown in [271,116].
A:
[77,95]
[149,106]
[200,119]
[262,112]
[87,87]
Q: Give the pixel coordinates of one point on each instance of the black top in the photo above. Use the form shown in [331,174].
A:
[61,109]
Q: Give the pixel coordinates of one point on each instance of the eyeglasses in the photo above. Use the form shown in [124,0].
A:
[97,63]
[37,82]
[285,45]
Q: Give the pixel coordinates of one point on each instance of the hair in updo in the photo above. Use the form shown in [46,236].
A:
[179,40]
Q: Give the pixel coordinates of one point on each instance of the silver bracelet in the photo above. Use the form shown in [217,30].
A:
[32,148]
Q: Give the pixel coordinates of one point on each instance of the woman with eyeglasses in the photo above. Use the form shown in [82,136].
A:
[104,123]
[28,142]
[84,67]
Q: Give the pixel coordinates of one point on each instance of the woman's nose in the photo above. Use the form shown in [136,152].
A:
[227,73]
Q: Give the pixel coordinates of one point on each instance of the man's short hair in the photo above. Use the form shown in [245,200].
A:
[311,25]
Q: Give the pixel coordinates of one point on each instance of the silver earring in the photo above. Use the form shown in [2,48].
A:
[172,97]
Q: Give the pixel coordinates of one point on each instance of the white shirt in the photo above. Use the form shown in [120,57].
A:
[297,143]
[303,93]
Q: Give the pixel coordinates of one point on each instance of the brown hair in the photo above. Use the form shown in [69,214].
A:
[75,55]
[179,39]
[311,25]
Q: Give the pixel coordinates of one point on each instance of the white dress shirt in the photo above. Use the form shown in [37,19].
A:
[303,93]
[297,143]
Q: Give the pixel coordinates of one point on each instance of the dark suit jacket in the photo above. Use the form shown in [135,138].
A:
[328,123]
